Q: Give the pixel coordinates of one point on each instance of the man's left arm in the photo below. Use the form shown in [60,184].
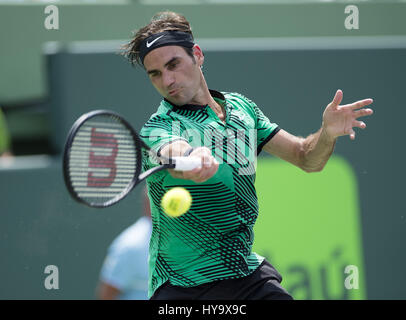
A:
[312,153]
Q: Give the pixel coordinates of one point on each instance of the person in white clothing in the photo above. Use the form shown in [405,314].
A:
[124,274]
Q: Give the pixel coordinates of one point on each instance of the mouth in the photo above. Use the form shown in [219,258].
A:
[174,91]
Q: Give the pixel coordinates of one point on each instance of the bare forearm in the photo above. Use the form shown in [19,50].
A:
[316,150]
[312,153]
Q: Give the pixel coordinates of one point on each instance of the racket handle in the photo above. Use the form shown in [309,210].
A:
[187,163]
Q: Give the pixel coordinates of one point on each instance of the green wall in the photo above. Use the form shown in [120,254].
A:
[40,225]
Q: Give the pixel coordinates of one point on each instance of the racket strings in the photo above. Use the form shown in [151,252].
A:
[103,160]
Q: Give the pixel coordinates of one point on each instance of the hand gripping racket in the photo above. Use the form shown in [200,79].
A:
[102,160]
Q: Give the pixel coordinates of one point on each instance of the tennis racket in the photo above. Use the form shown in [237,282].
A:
[102,159]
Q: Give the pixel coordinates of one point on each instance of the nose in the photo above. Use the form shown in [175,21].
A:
[168,79]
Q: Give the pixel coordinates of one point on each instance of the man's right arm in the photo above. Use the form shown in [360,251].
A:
[209,164]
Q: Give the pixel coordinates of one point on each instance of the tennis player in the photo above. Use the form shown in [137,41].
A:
[206,253]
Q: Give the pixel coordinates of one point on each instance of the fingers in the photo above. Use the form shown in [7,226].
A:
[359,124]
[360,113]
[359,104]
[355,124]
[352,134]
[203,174]
[337,99]
[207,170]
[363,113]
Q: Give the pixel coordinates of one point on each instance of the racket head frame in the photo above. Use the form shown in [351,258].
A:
[138,143]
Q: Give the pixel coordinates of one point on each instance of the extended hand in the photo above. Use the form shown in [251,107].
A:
[340,120]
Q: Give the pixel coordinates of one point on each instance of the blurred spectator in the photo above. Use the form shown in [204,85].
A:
[124,273]
[4,137]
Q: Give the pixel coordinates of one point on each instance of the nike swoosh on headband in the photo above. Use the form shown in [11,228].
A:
[172,38]
[149,44]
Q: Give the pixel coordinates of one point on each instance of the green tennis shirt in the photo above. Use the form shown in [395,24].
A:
[213,240]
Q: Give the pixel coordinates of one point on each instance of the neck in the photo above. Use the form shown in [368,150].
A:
[203,97]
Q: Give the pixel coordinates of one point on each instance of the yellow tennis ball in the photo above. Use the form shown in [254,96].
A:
[176,202]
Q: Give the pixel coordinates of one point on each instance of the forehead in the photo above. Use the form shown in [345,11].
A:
[158,57]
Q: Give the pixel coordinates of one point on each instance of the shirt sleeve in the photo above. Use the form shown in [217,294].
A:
[266,129]
[159,131]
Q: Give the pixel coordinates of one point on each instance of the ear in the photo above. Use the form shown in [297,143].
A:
[198,53]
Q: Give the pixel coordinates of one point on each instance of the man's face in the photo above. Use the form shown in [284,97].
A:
[175,74]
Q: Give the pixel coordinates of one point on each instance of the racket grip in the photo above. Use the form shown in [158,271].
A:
[187,163]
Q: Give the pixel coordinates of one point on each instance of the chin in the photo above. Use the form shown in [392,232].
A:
[177,100]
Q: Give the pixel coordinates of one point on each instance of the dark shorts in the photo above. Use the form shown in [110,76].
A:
[262,284]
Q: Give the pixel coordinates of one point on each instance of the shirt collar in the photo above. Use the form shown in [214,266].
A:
[196,107]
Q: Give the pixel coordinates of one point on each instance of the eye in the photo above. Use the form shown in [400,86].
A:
[173,65]
[154,74]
